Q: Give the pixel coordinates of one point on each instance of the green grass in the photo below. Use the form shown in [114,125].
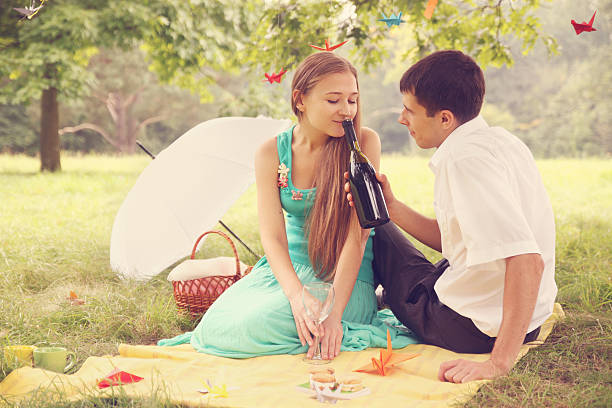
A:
[55,232]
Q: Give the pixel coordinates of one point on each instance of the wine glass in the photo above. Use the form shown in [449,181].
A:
[318,299]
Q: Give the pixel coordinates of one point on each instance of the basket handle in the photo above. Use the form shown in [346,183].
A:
[195,247]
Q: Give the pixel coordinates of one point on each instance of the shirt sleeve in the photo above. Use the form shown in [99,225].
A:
[488,210]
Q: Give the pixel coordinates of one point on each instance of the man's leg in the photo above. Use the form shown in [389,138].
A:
[406,274]
[398,265]
[408,279]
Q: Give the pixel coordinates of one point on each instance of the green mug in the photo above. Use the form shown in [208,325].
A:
[54,359]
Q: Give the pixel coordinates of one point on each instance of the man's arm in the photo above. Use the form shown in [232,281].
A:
[521,286]
[424,229]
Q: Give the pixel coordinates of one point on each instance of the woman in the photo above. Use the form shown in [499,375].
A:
[301,172]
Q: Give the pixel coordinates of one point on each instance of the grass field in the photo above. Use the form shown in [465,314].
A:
[54,237]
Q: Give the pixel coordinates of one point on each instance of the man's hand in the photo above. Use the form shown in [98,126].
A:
[461,371]
[347,189]
[384,183]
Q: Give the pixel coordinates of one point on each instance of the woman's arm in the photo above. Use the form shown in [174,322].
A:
[274,237]
[349,261]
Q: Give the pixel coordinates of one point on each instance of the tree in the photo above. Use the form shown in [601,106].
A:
[121,81]
[126,101]
[189,42]
[46,57]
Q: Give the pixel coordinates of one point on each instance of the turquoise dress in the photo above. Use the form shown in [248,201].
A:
[253,317]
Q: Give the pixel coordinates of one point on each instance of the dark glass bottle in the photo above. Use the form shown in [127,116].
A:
[365,188]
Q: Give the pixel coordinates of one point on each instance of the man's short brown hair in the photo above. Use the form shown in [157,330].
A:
[446,80]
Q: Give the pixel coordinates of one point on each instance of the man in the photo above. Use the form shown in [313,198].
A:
[494,226]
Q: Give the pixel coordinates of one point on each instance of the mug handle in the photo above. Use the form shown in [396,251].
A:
[72,356]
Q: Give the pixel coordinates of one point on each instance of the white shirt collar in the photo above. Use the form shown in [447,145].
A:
[456,136]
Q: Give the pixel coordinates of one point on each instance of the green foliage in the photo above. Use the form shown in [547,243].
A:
[219,50]
[575,120]
[482,29]
[52,49]
[17,134]
[561,104]
[187,42]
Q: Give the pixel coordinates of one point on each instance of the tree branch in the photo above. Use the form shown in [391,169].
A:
[148,121]
[111,105]
[133,97]
[90,126]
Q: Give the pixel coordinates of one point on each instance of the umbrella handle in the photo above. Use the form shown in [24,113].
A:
[195,247]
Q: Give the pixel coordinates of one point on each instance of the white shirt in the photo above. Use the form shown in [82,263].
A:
[490,204]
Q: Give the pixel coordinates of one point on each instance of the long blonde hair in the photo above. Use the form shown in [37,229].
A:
[327,224]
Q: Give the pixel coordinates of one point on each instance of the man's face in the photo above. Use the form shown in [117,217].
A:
[426,130]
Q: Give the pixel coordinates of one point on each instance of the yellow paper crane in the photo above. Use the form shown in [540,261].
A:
[217,391]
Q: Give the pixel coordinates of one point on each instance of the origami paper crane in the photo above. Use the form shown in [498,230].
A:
[392,19]
[584,26]
[30,11]
[118,377]
[387,360]
[328,47]
[216,390]
[429,9]
[74,299]
[273,77]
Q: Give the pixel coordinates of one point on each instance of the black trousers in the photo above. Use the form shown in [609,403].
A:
[408,280]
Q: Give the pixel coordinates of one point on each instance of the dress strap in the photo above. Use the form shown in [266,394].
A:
[283,145]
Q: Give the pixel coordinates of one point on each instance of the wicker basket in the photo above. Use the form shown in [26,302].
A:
[195,296]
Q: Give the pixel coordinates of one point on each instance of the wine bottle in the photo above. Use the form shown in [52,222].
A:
[365,188]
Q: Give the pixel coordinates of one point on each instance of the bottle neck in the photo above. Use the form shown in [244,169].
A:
[349,135]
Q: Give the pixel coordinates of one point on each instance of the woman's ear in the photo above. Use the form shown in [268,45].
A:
[297,97]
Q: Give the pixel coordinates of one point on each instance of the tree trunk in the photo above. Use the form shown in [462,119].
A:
[49,135]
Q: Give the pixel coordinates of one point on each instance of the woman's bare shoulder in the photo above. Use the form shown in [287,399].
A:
[369,137]
[267,151]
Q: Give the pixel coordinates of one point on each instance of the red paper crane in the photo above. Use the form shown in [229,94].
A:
[118,377]
[584,26]
[327,46]
[273,77]
[387,360]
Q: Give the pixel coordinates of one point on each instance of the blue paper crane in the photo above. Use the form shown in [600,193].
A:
[392,19]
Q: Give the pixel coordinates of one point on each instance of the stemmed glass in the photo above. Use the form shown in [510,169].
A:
[318,299]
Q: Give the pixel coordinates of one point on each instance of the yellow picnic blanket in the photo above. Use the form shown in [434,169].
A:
[178,372]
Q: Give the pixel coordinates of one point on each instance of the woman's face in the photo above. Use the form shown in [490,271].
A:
[329,102]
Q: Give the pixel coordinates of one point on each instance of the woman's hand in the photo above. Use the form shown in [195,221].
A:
[331,339]
[304,325]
